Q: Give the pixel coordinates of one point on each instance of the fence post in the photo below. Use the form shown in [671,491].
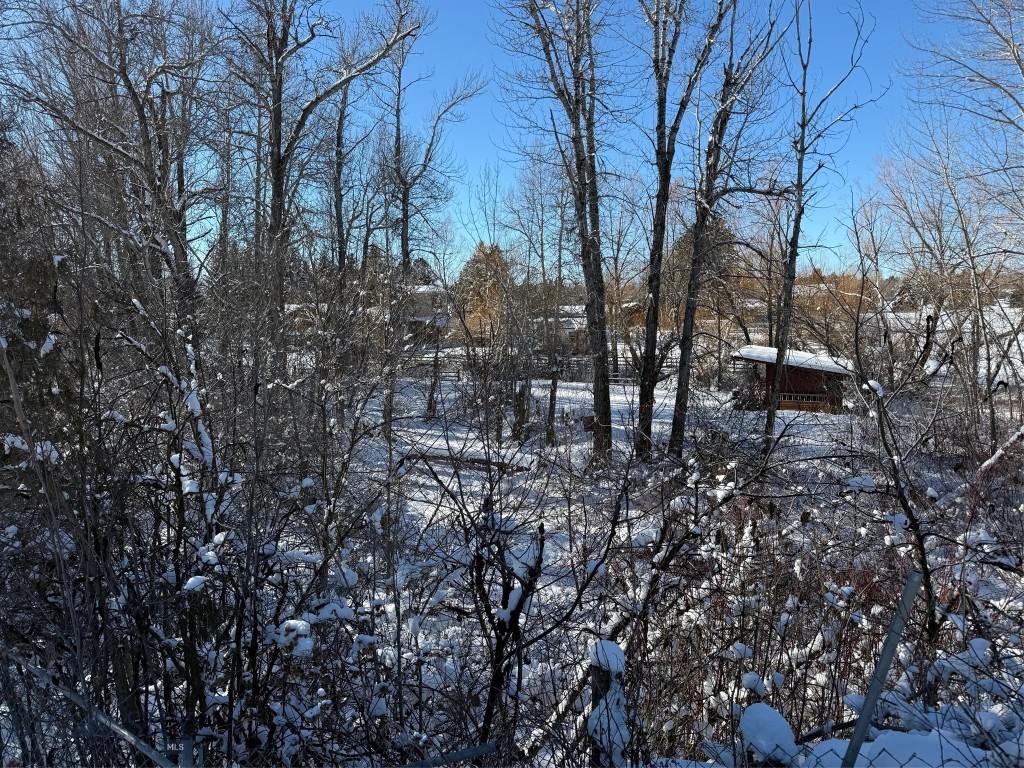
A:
[867,711]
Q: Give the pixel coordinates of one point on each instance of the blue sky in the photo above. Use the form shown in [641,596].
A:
[462,40]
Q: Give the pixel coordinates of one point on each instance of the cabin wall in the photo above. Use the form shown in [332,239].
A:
[802,389]
[802,381]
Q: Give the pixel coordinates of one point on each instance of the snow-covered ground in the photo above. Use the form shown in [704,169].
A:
[824,468]
[432,570]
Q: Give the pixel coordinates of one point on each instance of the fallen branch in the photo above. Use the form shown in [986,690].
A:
[996,457]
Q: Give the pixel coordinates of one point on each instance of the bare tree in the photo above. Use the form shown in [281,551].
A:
[971,91]
[744,55]
[538,218]
[418,168]
[564,39]
[668,20]
[818,118]
[954,247]
[279,39]
[130,91]
[624,239]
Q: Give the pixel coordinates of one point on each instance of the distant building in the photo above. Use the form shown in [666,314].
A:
[811,381]
[570,329]
[633,314]
[428,317]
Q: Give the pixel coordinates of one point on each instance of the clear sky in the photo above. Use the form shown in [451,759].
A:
[462,39]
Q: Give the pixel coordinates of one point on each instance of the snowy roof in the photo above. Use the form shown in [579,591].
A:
[814,361]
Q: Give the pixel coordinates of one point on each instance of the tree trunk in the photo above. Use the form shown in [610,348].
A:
[707,197]
[649,360]
[680,411]
[594,277]
[341,231]
[785,312]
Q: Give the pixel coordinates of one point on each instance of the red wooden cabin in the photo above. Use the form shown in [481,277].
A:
[811,381]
